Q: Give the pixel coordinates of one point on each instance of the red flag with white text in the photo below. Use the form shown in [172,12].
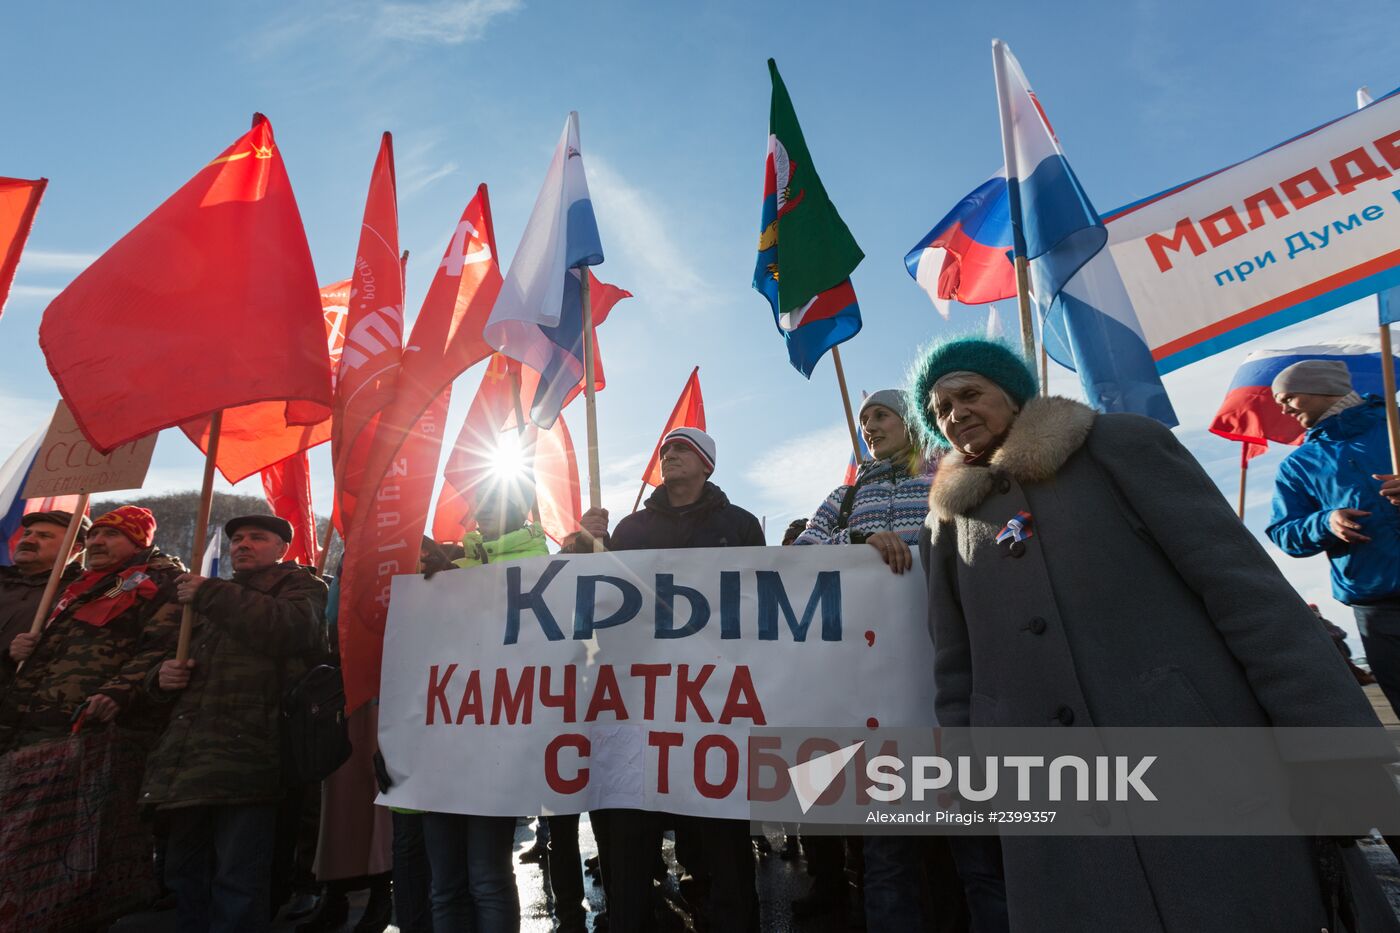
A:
[367,377]
[384,540]
[207,304]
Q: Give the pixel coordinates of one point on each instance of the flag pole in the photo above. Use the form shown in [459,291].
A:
[846,400]
[640,493]
[60,562]
[201,527]
[1244,475]
[1044,368]
[590,398]
[1008,149]
[1392,415]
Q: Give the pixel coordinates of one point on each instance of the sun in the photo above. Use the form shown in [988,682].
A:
[508,459]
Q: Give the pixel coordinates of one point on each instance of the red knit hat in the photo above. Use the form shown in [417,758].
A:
[136,523]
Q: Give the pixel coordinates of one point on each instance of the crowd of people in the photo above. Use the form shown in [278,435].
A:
[1082,570]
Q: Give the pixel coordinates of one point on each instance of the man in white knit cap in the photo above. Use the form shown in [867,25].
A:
[1336,495]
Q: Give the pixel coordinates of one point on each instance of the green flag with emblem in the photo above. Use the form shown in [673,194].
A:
[805,243]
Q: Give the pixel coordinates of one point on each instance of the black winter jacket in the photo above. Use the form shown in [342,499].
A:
[710,522]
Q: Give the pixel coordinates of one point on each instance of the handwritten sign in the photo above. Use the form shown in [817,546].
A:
[67,464]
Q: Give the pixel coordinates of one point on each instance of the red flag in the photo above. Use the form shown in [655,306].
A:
[287,486]
[369,364]
[688,413]
[446,338]
[207,304]
[383,540]
[490,446]
[19,199]
[254,437]
[556,480]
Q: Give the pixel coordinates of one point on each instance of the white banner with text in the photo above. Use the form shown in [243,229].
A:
[577,682]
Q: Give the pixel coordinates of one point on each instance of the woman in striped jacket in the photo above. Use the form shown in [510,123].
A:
[885,507]
[887,504]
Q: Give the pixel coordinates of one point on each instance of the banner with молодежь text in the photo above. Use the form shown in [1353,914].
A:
[1299,229]
[633,679]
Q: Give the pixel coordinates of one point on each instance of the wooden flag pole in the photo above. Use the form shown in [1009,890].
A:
[201,527]
[640,493]
[1044,367]
[846,401]
[59,563]
[590,398]
[1392,415]
[1244,475]
[1008,151]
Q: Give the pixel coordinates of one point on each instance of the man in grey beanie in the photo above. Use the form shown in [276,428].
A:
[1336,495]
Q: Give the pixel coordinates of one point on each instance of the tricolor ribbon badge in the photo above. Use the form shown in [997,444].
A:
[1018,528]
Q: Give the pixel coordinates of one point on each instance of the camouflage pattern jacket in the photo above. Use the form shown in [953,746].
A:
[19,600]
[254,635]
[73,659]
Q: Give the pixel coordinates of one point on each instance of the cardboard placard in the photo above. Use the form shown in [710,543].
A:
[68,465]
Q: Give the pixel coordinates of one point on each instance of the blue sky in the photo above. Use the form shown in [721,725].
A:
[118,104]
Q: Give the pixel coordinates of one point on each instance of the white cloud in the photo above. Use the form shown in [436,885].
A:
[634,226]
[34,291]
[39,260]
[423,177]
[450,22]
[788,484]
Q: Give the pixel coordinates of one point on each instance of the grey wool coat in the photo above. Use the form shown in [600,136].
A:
[1139,600]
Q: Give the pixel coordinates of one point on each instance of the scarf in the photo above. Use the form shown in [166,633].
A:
[119,592]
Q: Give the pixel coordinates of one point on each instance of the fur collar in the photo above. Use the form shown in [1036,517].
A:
[1044,435]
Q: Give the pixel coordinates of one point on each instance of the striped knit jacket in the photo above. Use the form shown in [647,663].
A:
[888,498]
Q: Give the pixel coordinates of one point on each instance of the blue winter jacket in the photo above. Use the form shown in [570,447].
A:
[1333,470]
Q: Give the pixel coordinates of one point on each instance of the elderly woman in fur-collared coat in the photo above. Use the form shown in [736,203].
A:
[1137,599]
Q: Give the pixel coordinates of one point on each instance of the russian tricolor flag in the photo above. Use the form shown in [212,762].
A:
[13,474]
[538,316]
[965,256]
[1249,413]
[1089,322]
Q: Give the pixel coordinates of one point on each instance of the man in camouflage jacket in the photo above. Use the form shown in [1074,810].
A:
[106,630]
[216,771]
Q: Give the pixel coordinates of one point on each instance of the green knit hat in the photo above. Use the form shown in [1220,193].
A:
[990,358]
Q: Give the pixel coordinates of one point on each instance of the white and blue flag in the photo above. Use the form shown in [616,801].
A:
[209,563]
[1089,324]
[538,317]
[13,474]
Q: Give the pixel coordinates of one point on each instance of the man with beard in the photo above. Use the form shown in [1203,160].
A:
[107,629]
[22,584]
